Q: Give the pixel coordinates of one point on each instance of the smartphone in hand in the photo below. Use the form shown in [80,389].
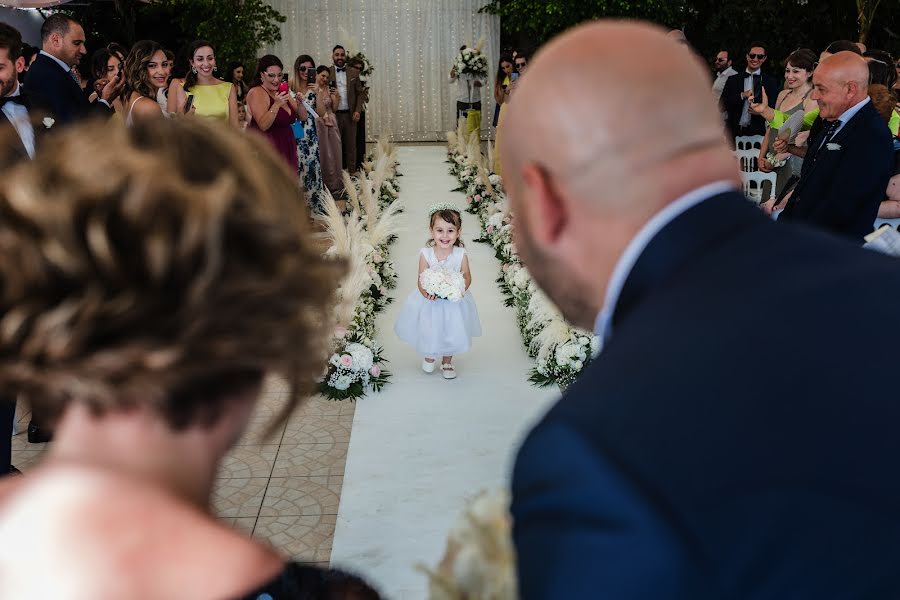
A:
[311,77]
[757,89]
[189,104]
[283,87]
[513,78]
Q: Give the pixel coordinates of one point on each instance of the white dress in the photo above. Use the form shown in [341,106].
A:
[437,328]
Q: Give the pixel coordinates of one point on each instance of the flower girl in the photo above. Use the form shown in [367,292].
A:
[440,317]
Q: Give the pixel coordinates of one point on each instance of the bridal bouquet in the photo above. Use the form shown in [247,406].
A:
[443,283]
[471,60]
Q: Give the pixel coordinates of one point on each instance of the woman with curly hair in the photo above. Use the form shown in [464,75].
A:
[153,278]
[146,72]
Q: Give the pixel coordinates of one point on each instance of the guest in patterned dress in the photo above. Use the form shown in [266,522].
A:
[309,165]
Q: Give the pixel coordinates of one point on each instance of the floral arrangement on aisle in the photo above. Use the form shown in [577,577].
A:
[363,239]
[561,352]
[471,60]
[480,559]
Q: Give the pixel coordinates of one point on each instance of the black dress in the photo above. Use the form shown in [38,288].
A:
[302,582]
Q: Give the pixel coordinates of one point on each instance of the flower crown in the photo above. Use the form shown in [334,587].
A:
[442,206]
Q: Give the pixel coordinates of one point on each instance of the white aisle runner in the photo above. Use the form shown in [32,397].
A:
[424,445]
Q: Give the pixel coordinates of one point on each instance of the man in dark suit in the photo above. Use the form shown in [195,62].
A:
[51,75]
[20,132]
[353,100]
[687,462]
[849,158]
[738,93]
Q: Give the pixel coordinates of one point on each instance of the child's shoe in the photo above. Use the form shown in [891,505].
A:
[428,367]
[448,371]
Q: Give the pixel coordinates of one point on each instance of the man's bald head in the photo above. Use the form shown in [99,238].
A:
[606,103]
[841,81]
[612,122]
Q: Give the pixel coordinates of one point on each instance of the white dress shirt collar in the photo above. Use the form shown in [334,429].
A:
[62,64]
[626,262]
[21,121]
[756,72]
[849,114]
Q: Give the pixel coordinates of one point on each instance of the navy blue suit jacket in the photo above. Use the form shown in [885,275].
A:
[840,189]
[737,437]
[67,102]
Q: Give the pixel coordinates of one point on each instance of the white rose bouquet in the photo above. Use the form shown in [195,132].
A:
[443,283]
[471,60]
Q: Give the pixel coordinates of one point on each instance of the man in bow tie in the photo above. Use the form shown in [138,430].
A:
[738,94]
[52,75]
[849,158]
[352,94]
[19,134]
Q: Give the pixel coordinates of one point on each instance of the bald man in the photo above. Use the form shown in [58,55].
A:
[736,436]
[849,160]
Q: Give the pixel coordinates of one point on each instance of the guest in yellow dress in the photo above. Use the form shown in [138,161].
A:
[213,98]
[501,94]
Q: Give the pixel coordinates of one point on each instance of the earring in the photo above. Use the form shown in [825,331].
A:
[215,69]
[193,70]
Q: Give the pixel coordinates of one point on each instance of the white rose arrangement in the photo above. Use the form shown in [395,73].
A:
[443,283]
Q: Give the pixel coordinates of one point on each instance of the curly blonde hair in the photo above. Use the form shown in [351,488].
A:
[161,266]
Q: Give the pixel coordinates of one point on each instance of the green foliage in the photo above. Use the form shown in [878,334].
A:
[713,25]
[237,28]
[540,20]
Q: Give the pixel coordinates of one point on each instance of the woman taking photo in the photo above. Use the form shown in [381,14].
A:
[309,166]
[146,72]
[106,64]
[273,109]
[327,100]
[795,97]
[212,97]
[148,311]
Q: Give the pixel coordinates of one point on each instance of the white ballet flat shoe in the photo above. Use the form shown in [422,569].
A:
[448,371]
[428,367]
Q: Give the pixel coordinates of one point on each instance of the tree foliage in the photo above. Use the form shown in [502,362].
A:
[238,28]
[712,25]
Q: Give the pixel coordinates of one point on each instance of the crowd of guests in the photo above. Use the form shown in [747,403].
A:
[839,167]
[314,117]
[311,116]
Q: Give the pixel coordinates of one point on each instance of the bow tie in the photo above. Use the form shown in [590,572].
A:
[341,69]
[14,99]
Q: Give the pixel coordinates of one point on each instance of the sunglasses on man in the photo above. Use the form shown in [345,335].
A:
[756,56]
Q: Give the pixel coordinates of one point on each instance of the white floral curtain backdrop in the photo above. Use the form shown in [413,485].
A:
[410,43]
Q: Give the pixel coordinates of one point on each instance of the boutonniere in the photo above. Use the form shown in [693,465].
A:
[48,122]
[833,146]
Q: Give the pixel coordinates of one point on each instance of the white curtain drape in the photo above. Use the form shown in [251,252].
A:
[410,43]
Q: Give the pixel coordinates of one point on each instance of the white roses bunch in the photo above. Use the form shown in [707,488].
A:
[353,364]
[471,60]
[443,283]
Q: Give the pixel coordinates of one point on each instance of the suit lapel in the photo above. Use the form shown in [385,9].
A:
[19,146]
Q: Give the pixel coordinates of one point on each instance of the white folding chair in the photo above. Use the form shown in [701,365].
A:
[748,160]
[892,222]
[748,142]
[754,185]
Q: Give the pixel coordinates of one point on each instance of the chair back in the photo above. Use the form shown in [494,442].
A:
[754,185]
[748,160]
[748,142]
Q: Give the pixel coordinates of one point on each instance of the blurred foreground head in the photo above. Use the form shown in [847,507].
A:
[639,130]
[162,267]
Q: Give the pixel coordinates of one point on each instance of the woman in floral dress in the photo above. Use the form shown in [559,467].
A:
[309,164]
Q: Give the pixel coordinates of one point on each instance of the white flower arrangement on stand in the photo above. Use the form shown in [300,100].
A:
[363,239]
[561,352]
[472,60]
